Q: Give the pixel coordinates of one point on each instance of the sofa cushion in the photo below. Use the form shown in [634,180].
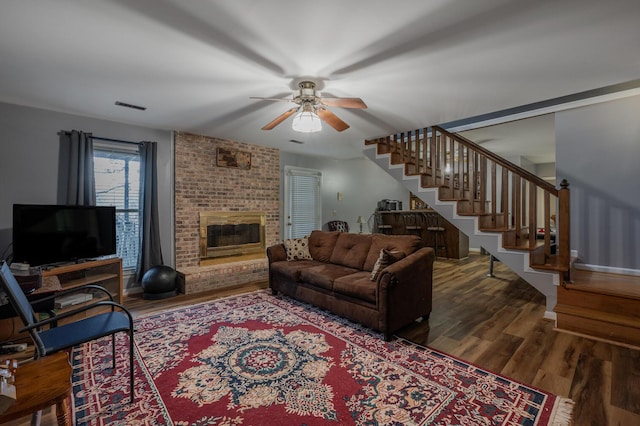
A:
[321,244]
[406,244]
[291,270]
[351,250]
[297,249]
[358,286]
[323,275]
[385,259]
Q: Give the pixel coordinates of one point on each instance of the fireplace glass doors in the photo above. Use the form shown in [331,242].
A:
[225,234]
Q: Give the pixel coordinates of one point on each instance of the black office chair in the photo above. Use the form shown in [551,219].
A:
[58,337]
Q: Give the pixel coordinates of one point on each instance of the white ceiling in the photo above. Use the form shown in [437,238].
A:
[194,64]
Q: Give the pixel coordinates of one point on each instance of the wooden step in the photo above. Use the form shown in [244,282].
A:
[492,221]
[613,328]
[474,207]
[605,283]
[601,305]
[552,263]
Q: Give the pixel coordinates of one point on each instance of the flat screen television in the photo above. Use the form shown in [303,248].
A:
[48,234]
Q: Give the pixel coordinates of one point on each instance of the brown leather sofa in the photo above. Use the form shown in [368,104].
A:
[337,277]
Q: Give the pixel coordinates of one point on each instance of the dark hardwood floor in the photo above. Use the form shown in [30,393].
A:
[497,323]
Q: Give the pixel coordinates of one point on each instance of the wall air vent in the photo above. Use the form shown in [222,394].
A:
[124,104]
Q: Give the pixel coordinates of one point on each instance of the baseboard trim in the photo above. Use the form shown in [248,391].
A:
[607,269]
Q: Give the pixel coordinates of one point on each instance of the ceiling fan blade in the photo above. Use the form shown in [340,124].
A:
[332,120]
[280,119]
[271,99]
[344,102]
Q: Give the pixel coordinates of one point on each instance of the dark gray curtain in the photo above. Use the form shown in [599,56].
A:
[77,181]
[150,251]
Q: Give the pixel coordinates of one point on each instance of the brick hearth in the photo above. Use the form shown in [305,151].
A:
[202,186]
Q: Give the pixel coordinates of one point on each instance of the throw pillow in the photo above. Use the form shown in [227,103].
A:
[385,259]
[297,249]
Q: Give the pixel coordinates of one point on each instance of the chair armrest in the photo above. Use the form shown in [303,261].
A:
[67,314]
[276,253]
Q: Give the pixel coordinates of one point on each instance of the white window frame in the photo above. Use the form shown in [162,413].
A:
[302,208]
[124,148]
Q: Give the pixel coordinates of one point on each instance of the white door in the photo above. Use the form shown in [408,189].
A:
[302,205]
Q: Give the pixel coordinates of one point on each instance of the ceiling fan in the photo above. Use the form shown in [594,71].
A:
[310,103]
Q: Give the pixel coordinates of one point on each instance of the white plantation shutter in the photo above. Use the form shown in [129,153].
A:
[303,202]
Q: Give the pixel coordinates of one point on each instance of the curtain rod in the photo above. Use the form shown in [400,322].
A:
[105,139]
[115,140]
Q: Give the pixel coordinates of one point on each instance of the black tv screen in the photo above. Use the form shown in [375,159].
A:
[47,234]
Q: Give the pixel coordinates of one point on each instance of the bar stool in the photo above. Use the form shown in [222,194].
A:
[382,227]
[412,223]
[435,227]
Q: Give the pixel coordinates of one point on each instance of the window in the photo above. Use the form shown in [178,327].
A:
[302,201]
[117,173]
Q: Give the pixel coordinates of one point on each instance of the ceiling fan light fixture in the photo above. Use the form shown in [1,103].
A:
[306,121]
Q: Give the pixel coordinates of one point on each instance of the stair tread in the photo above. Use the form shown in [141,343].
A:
[452,199]
[597,315]
[551,266]
[605,283]
[525,243]
[499,229]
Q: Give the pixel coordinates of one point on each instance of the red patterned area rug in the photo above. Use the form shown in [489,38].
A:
[256,359]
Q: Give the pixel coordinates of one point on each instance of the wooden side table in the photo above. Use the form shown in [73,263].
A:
[40,384]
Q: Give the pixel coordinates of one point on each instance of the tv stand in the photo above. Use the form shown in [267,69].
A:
[105,272]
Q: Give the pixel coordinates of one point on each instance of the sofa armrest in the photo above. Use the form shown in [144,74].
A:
[405,290]
[410,269]
[276,253]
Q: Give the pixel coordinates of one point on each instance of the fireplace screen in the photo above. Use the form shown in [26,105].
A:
[232,235]
[224,234]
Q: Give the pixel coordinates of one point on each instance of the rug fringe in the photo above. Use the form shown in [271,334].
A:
[562,413]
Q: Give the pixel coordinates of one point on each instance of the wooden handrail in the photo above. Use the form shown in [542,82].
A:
[501,161]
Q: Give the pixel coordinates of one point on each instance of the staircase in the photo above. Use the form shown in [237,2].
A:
[520,219]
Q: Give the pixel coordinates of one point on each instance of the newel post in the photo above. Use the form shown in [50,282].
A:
[564,225]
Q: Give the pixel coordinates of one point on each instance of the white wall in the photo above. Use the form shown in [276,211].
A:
[29,162]
[361,182]
[598,153]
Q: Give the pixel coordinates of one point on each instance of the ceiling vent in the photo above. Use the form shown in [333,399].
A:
[126,105]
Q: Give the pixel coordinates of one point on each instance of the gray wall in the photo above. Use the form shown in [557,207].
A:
[598,152]
[29,162]
[361,182]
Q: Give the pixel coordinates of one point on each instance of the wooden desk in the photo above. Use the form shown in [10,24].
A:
[41,384]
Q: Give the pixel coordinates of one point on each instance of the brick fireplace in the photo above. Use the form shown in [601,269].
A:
[203,187]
